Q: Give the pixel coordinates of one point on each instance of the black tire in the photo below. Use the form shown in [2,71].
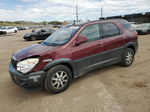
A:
[127,57]
[4,33]
[15,31]
[33,38]
[51,85]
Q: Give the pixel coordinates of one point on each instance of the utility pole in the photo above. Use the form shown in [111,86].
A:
[102,12]
[77,20]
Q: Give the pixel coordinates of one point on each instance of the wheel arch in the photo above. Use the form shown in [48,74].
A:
[67,62]
[133,46]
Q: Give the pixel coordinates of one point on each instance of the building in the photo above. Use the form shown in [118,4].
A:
[139,17]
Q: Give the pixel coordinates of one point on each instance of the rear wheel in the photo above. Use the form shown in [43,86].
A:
[127,57]
[15,31]
[58,79]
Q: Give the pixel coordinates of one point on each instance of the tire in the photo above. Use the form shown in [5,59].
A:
[33,38]
[58,79]
[15,31]
[4,33]
[127,57]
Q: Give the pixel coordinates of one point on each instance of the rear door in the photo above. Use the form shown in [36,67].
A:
[113,41]
[88,54]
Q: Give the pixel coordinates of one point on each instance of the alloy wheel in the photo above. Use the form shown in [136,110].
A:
[129,58]
[59,79]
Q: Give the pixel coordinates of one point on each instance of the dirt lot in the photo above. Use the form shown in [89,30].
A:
[111,89]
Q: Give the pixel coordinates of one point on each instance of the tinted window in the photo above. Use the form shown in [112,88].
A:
[9,27]
[47,30]
[110,29]
[91,32]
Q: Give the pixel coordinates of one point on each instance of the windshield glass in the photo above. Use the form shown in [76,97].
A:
[61,36]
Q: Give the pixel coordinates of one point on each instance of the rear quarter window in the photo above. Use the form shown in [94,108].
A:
[127,25]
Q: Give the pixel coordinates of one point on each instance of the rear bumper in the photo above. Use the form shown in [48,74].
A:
[30,80]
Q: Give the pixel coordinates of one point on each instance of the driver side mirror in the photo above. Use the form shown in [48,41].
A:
[80,40]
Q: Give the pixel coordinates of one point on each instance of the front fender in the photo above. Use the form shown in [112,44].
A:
[57,62]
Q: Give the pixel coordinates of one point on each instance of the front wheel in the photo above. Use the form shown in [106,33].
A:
[5,33]
[58,79]
[127,57]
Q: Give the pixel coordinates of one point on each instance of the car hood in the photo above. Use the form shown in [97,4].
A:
[34,50]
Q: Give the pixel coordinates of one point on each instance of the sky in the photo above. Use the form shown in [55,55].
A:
[64,10]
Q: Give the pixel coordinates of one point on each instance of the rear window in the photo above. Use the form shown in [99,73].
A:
[127,25]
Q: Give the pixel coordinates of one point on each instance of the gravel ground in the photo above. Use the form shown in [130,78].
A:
[110,89]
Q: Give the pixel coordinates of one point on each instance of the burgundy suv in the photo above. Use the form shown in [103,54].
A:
[73,51]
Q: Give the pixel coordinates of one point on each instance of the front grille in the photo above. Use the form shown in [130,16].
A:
[14,62]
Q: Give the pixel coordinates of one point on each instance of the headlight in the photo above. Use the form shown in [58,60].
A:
[27,65]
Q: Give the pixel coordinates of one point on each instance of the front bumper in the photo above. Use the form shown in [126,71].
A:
[27,37]
[30,80]
[140,32]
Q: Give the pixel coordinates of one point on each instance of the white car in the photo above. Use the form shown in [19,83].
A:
[143,28]
[10,29]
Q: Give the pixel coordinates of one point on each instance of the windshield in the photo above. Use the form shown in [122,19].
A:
[61,36]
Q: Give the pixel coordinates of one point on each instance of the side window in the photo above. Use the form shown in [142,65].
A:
[9,27]
[91,32]
[110,29]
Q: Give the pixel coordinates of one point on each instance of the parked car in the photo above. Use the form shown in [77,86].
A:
[73,51]
[143,28]
[134,24]
[37,35]
[20,28]
[9,29]
[57,26]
